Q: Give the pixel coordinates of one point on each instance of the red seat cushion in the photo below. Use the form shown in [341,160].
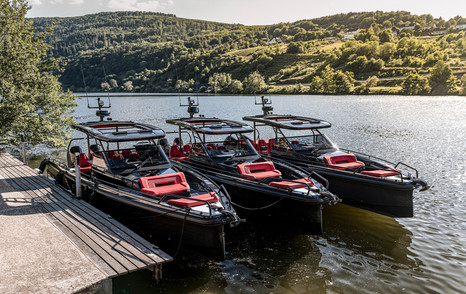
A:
[164,184]
[118,157]
[380,173]
[134,155]
[259,170]
[176,154]
[293,185]
[126,153]
[209,197]
[343,161]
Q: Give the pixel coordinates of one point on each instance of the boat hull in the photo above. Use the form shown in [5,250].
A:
[262,203]
[170,228]
[385,197]
[299,216]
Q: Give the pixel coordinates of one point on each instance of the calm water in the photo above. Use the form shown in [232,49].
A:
[359,252]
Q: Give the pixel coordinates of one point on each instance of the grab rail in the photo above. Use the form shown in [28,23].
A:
[320,177]
[369,156]
[408,166]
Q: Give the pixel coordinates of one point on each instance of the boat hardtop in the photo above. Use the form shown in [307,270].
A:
[211,126]
[288,121]
[114,131]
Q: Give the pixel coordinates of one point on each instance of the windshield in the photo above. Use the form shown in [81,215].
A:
[299,142]
[225,146]
[134,155]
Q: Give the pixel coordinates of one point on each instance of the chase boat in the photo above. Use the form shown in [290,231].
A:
[220,149]
[359,179]
[121,162]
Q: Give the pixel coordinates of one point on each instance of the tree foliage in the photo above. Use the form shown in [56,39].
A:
[254,83]
[161,52]
[442,80]
[414,84]
[32,101]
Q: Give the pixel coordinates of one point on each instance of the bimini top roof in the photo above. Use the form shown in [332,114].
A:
[117,131]
[211,126]
[291,122]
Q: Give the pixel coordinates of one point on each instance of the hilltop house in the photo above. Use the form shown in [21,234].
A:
[410,27]
[274,41]
[350,35]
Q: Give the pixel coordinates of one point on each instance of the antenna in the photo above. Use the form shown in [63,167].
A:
[193,106]
[84,81]
[266,103]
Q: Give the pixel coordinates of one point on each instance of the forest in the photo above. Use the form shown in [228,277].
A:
[354,53]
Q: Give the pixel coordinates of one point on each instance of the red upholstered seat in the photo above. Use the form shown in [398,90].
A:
[134,155]
[164,184]
[209,197]
[259,170]
[176,154]
[293,185]
[84,164]
[111,154]
[343,161]
[380,173]
[126,153]
[118,157]
[211,145]
[270,145]
[187,149]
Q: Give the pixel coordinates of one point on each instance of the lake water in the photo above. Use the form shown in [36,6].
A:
[359,252]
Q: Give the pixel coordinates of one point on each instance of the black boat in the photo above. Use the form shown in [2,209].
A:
[121,163]
[220,149]
[359,179]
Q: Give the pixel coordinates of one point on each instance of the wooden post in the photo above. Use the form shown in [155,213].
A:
[78,176]
[23,145]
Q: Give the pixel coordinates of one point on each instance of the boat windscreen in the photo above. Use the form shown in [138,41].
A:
[130,157]
[310,142]
[228,146]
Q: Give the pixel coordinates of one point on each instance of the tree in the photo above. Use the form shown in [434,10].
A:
[332,82]
[220,82]
[463,86]
[367,85]
[254,83]
[442,80]
[414,84]
[32,100]
[128,86]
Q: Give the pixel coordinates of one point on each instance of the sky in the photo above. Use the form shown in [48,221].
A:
[247,12]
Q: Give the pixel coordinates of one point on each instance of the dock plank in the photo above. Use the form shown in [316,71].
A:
[135,240]
[113,248]
[132,243]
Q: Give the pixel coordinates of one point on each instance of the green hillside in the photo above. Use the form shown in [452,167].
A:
[370,52]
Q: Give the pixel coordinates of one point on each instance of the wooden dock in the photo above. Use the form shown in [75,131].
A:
[51,242]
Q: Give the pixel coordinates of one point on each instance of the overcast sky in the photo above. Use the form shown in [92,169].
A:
[248,12]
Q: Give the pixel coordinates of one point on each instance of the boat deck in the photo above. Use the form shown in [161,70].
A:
[52,242]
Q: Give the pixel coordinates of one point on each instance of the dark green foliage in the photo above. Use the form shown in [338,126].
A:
[32,101]
[442,80]
[153,52]
[414,84]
